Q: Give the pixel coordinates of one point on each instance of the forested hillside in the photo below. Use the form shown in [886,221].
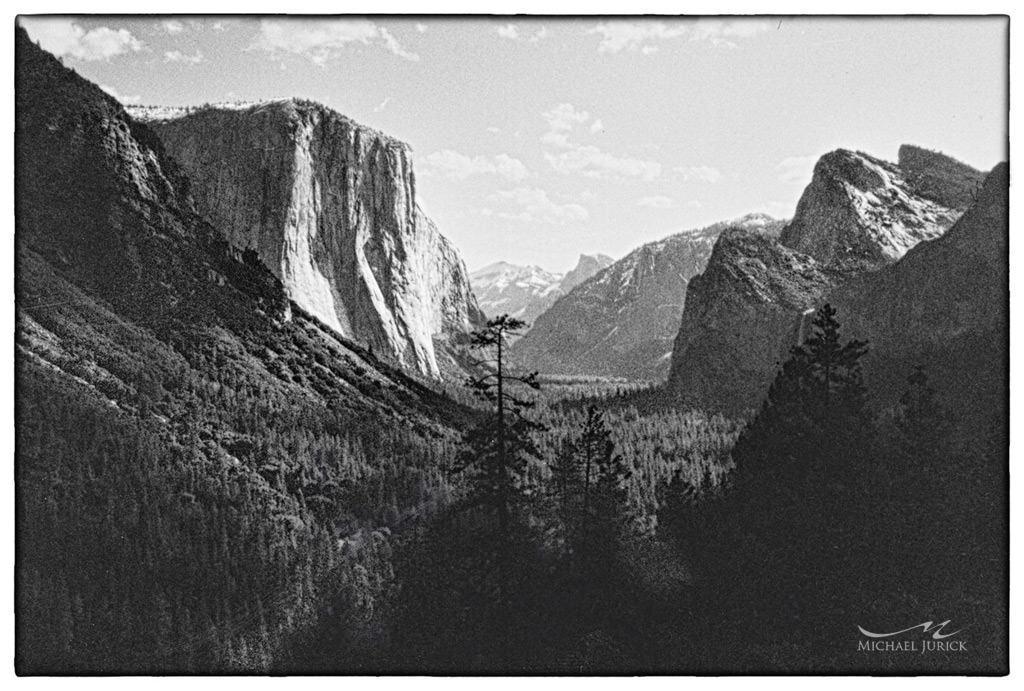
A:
[201,466]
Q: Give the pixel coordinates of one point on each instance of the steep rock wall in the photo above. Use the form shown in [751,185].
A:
[329,206]
[858,215]
[741,317]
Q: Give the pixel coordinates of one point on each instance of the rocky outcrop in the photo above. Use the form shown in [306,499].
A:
[330,208]
[943,306]
[938,177]
[586,266]
[526,292]
[858,215]
[622,321]
[745,311]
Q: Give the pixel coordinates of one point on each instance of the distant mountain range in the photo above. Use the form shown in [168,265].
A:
[525,292]
[621,322]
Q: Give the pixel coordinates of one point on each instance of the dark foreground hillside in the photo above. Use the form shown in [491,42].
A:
[202,470]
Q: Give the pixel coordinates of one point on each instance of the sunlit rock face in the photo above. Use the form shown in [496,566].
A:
[755,299]
[330,207]
[860,212]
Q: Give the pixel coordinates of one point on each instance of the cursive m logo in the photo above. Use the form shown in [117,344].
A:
[927,627]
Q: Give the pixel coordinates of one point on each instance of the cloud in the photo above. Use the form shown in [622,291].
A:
[656,202]
[178,56]
[511,32]
[720,32]
[592,162]
[119,96]
[565,116]
[796,168]
[322,39]
[587,160]
[420,27]
[219,26]
[561,120]
[698,173]
[172,26]
[617,36]
[534,206]
[395,47]
[452,164]
[382,105]
[63,37]
[596,126]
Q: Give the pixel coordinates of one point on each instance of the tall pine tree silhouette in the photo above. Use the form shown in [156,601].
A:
[498,450]
[789,526]
[814,420]
[589,477]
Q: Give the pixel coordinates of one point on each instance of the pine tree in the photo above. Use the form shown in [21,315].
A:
[498,450]
[603,470]
[794,514]
[606,513]
[590,482]
[566,479]
[814,420]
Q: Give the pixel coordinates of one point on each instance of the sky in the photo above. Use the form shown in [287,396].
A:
[537,139]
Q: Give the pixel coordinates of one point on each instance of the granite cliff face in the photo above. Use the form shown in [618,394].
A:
[586,266]
[744,310]
[860,213]
[944,306]
[122,282]
[330,208]
[622,321]
[754,301]
[526,292]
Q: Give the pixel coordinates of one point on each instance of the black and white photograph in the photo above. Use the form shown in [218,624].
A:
[510,344]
